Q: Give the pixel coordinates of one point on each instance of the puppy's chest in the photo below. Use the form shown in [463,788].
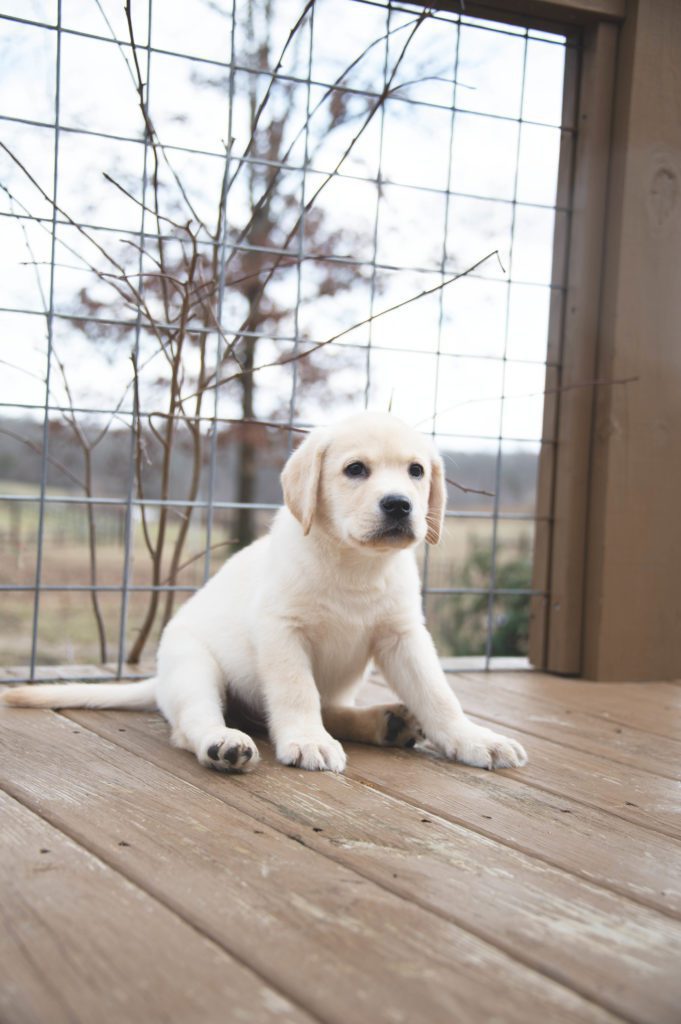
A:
[340,634]
[328,620]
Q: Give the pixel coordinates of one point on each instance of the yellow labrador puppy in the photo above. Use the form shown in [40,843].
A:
[289,625]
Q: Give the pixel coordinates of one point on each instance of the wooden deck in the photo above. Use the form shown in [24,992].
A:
[141,887]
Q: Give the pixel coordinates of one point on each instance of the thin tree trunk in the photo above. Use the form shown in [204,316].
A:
[92,545]
[246,466]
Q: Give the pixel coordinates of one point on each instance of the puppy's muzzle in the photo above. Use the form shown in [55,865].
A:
[395,507]
[396,522]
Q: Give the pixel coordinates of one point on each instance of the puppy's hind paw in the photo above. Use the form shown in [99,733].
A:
[228,750]
[399,727]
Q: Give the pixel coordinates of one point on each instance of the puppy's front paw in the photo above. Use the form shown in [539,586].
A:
[318,755]
[475,745]
[228,750]
[399,728]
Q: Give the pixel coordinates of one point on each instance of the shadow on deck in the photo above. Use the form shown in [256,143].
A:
[140,887]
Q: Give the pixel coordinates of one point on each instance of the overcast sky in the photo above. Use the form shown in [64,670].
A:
[480,319]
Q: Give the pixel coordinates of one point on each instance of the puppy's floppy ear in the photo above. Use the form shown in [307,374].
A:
[437,500]
[300,478]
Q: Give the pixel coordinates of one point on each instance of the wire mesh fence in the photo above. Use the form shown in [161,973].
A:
[225,225]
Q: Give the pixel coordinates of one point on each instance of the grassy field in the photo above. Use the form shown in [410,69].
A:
[67,632]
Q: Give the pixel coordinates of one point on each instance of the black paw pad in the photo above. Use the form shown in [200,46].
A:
[394,727]
[232,754]
[214,752]
[411,743]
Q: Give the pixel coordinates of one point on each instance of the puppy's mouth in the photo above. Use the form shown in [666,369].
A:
[392,533]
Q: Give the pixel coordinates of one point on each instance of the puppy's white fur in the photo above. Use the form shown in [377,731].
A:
[290,624]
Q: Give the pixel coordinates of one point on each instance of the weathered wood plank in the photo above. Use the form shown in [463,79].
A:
[595,844]
[609,850]
[651,707]
[553,719]
[648,800]
[645,799]
[336,943]
[611,950]
[591,843]
[79,943]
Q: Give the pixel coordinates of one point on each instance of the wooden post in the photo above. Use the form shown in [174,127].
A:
[632,593]
[556,625]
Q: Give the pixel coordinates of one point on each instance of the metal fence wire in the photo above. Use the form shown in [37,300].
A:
[226,222]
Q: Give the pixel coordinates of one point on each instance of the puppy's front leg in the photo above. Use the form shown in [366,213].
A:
[293,704]
[411,666]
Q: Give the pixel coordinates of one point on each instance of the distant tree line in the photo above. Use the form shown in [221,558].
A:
[21,447]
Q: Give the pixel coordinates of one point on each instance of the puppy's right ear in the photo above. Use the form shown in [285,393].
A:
[300,479]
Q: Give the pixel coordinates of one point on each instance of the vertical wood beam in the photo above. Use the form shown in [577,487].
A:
[632,606]
[556,626]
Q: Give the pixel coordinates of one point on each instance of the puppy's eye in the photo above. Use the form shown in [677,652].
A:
[416,470]
[356,470]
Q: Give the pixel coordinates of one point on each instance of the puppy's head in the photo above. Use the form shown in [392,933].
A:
[371,481]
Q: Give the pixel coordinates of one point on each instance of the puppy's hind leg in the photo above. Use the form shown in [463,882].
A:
[191,696]
[386,725]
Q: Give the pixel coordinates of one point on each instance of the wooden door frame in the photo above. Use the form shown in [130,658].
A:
[608,544]
[572,357]
[610,558]
[562,508]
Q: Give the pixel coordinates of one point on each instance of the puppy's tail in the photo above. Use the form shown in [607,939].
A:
[129,696]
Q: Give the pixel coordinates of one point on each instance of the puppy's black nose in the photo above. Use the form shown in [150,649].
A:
[396,506]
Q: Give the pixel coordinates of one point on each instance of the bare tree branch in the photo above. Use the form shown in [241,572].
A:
[354,327]
[309,204]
